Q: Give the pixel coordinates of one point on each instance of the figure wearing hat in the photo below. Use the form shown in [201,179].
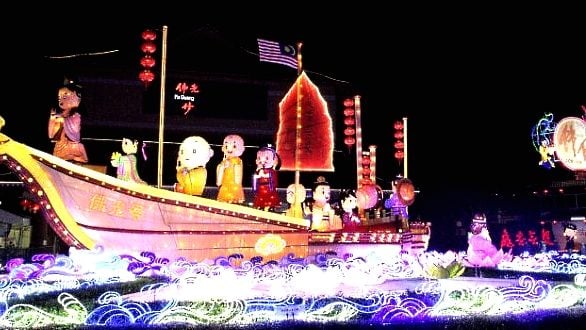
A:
[481,252]
[570,231]
[319,207]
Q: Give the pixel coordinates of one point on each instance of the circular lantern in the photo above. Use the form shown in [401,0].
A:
[398,125]
[369,196]
[399,154]
[366,171]
[365,161]
[399,144]
[146,76]
[349,131]
[349,121]
[149,35]
[148,47]
[348,103]
[349,141]
[348,112]
[147,62]
[405,191]
[399,135]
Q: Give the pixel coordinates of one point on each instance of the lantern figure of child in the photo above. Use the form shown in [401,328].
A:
[264,180]
[126,164]
[229,171]
[319,208]
[349,205]
[296,195]
[194,154]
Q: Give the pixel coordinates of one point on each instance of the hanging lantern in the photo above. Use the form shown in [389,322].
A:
[349,121]
[349,141]
[399,144]
[348,103]
[399,154]
[147,62]
[349,131]
[398,125]
[148,47]
[348,112]
[146,76]
[149,35]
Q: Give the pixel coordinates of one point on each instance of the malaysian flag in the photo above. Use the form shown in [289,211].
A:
[275,52]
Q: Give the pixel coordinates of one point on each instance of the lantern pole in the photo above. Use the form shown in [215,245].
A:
[162,108]
[298,117]
[357,110]
[405,147]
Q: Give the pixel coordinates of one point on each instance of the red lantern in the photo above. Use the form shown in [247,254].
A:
[149,35]
[148,47]
[398,125]
[146,76]
[24,203]
[399,135]
[365,161]
[349,141]
[349,121]
[348,103]
[348,112]
[147,62]
[399,144]
[349,131]
[399,155]
[366,171]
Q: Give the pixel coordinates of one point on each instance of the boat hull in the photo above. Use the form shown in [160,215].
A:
[89,210]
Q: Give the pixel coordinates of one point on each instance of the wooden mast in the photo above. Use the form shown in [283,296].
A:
[358,125]
[162,108]
[405,147]
[298,116]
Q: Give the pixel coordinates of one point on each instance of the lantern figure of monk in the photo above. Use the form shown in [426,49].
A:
[65,124]
[264,180]
[229,171]
[126,164]
[194,154]
[296,195]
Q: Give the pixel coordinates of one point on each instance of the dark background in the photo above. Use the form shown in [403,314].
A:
[471,81]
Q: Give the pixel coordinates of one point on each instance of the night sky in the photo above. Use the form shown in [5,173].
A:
[472,82]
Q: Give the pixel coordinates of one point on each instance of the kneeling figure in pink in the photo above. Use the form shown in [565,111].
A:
[481,252]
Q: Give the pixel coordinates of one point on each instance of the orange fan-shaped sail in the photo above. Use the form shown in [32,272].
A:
[310,140]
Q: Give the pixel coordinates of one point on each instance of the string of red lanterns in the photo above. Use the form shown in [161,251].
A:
[147,62]
[399,144]
[366,168]
[350,122]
